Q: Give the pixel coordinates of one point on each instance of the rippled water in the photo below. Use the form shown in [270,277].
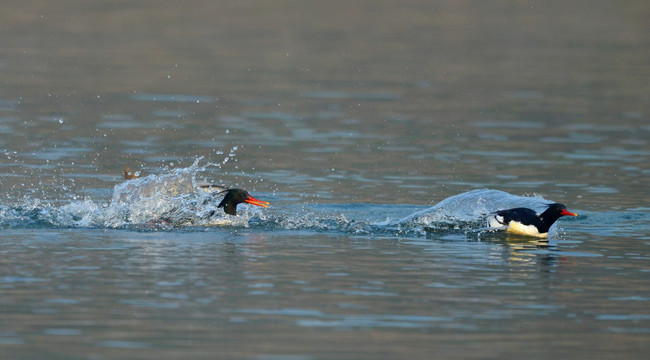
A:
[381,134]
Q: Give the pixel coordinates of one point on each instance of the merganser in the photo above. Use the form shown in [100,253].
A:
[231,199]
[525,221]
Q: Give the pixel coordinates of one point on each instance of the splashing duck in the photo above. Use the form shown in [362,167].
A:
[525,221]
[232,197]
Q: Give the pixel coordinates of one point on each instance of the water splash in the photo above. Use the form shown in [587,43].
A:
[469,207]
[174,200]
[137,201]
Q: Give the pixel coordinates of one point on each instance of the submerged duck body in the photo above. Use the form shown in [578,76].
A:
[524,221]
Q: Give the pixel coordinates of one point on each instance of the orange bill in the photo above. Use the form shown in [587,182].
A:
[254,201]
[567,213]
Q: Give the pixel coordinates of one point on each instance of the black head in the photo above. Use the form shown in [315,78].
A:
[234,197]
[555,211]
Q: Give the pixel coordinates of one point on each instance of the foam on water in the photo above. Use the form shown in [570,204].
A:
[137,201]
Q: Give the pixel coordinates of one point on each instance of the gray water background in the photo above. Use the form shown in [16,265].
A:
[350,111]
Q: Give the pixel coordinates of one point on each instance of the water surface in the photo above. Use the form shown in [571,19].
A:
[356,120]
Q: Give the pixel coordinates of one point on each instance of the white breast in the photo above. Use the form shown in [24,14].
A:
[516,227]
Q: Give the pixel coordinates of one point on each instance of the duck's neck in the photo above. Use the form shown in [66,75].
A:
[546,220]
[230,208]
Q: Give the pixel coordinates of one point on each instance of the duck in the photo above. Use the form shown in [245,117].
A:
[525,221]
[231,197]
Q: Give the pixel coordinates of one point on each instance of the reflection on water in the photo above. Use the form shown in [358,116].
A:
[344,117]
[227,287]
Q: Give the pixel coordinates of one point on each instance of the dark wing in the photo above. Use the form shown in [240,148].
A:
[523,215]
